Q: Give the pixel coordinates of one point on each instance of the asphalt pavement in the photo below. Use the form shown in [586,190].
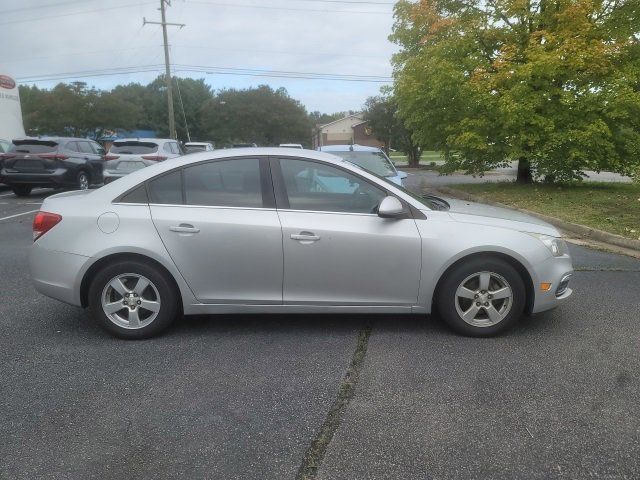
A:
[244,396]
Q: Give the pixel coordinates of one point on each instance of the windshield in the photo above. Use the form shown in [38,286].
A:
[33,146]
[374,162]
[133,148]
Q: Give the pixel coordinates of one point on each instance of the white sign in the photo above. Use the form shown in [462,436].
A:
[10,112]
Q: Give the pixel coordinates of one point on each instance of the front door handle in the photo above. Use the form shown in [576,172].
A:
[185,228]
[305,237]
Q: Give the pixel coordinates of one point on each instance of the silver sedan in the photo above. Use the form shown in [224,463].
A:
[288,231]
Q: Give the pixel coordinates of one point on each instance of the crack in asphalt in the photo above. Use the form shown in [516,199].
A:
[315,453]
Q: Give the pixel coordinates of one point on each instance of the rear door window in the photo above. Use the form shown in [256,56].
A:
[226,183]
[85,147]
[134,148]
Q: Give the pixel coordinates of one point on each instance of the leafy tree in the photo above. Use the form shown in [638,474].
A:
[551,83]
[256,115]
[382,114]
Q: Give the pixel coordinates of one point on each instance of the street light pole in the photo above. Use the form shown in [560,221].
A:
[167,65]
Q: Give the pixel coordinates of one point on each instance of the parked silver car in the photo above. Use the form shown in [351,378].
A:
[283,230]
[130,154]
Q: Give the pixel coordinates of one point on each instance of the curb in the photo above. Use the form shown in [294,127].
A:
[582,230]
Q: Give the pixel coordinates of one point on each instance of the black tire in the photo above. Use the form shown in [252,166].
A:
[165,288]
[22,190]
[83,180]
[447,299]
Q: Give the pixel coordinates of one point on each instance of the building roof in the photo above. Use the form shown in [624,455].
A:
[353,115]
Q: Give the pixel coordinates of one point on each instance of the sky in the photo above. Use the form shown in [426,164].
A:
[42,39]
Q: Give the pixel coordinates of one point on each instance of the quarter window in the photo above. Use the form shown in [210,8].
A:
[227,183]
[166,189]
[319,187]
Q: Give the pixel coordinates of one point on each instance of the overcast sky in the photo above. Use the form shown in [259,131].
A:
[41,38]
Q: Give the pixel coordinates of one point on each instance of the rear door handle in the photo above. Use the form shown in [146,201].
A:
[185,228]
[305,237]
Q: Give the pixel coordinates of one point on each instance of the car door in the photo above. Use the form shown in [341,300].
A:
[337,250]
[218,222]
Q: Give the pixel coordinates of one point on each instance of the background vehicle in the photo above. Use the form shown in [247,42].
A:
[291,145]
[52,162]
[192,147]
[275,230]
[244,145]
[131,154]
[371,159]
[5,145]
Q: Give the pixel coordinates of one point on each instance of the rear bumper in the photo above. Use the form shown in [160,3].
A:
[110,176]
[57,178]
[55,274]
[557,271]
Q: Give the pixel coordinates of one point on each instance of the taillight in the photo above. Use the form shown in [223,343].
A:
[157,158]
[4,156]
[53,156]
[43,222]
[111,157]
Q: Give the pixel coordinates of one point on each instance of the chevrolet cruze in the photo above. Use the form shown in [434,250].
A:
[282,230]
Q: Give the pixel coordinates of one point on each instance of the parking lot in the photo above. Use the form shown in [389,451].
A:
[245,396]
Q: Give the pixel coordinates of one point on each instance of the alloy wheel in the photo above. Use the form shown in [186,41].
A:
[83,181]
[130,301]
[483,299]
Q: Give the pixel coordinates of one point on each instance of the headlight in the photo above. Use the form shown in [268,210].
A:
[556,246]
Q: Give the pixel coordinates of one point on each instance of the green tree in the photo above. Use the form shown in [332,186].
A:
[553,84]
[256,115]
[382,114]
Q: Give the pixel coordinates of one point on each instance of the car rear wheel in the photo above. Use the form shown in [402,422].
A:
[22,190]
[83,181]
[481,297]
[133,300]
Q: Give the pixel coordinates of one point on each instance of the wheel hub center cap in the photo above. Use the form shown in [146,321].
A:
[132,302]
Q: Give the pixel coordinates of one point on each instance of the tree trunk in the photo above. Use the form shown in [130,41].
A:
[413,157]
[524,171]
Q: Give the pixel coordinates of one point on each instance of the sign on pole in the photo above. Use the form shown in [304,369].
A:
[11,125]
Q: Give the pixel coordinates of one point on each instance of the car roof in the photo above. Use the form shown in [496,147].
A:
[125,183]
[53,139]
[198,143]
[157,140]
[349,148]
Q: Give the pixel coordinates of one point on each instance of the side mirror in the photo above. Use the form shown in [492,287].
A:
[402,174]
[390,207]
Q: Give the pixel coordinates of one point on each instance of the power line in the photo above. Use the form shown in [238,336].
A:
[70,14]
[270,7]
[212,70]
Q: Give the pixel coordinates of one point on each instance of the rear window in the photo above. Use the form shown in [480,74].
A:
[133,148]
[195,148]
[33,146]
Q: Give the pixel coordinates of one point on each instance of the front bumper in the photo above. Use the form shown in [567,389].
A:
[56,274]
[557,271]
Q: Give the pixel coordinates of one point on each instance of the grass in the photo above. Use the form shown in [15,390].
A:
[612,207]
[427,157]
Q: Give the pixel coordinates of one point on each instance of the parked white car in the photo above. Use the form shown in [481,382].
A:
[192,147]
[131,154]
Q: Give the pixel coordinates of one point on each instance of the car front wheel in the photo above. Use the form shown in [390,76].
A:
[133,300]
[481,297]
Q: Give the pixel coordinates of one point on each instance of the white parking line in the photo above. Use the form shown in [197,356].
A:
[18,215]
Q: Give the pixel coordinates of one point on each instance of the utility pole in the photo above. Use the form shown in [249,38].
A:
[167,65]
